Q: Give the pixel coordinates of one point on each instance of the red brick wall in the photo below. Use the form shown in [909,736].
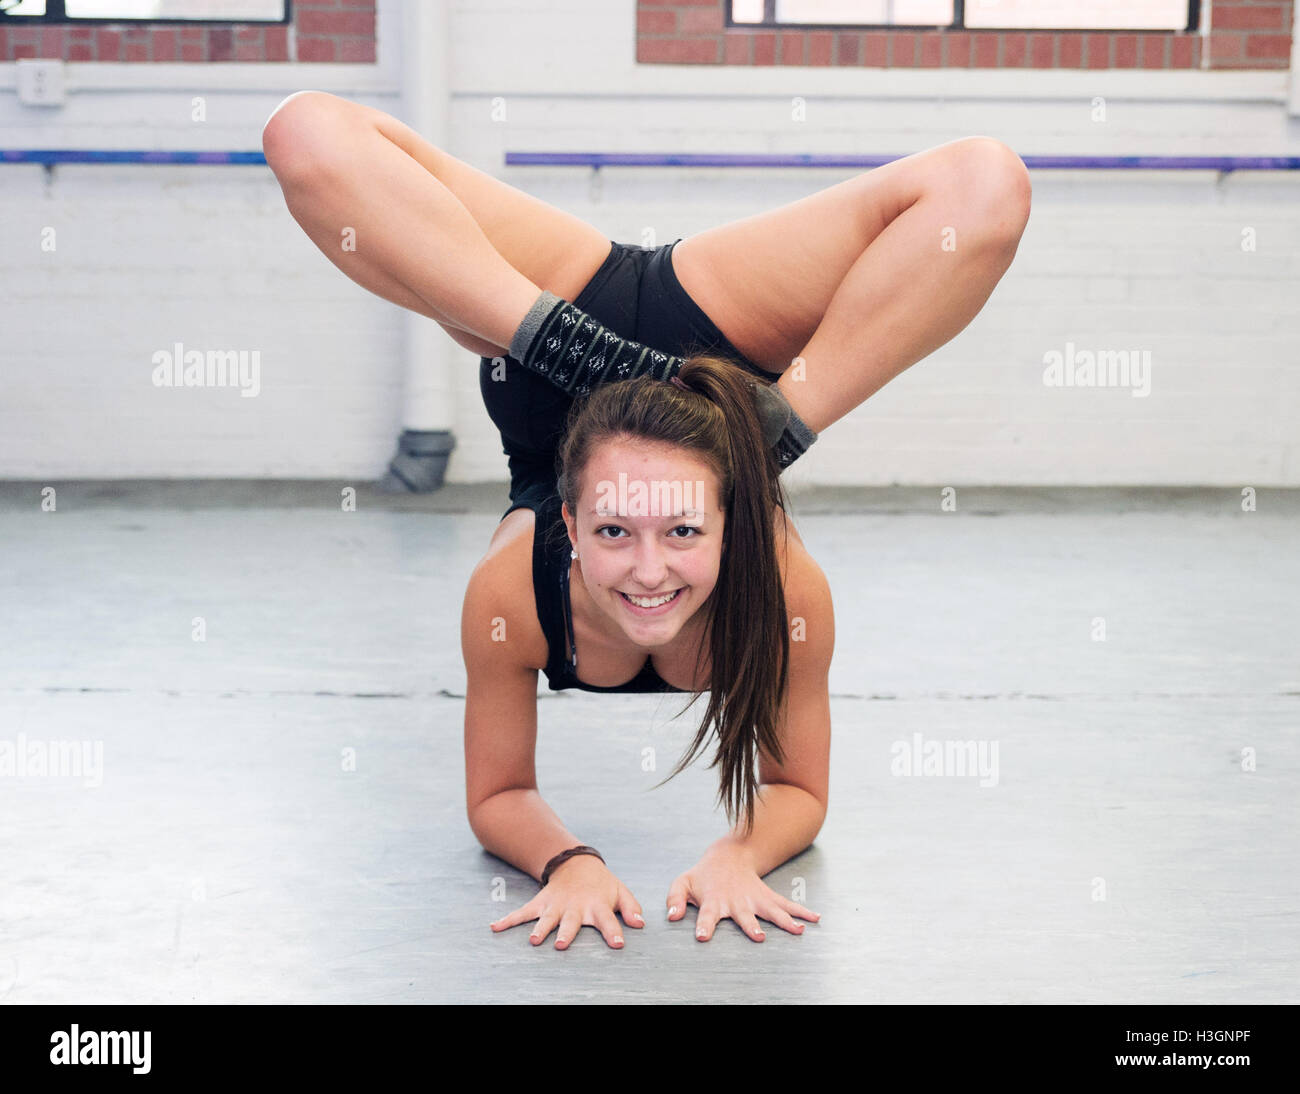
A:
[1244,34]
[325,30]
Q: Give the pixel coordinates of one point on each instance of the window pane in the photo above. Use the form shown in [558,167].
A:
[255,10]
[979,14]
[1069,14]
[904,12]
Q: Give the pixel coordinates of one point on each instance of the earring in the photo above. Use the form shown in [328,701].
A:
[573,553]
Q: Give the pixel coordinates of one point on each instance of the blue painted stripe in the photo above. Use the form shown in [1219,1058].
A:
[679,159]
[115,155]
[809,159]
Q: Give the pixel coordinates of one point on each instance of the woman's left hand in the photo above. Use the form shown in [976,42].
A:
[725,885]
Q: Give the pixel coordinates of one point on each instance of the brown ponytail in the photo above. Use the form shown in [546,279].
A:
[749,644]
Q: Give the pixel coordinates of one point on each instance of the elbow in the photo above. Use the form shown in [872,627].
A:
[473,814]
[811,807]
[816,810]
[818,817]
[477,813]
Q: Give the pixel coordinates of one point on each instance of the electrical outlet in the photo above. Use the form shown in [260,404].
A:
[40,82]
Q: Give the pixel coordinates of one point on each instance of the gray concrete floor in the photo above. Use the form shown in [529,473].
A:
[229,857]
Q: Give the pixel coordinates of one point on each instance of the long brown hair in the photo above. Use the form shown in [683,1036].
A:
[717,420]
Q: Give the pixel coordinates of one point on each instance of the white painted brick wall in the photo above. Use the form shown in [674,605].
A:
[209,256]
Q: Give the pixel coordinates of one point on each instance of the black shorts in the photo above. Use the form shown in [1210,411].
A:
[637,295]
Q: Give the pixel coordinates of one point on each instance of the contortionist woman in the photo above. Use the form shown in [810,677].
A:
[692,373]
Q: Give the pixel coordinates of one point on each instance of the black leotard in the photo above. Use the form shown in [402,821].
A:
[635,293]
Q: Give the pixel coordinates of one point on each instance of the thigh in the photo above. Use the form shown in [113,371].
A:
[552,248]
[766,280]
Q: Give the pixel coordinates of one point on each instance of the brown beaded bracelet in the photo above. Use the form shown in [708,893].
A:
[564,856]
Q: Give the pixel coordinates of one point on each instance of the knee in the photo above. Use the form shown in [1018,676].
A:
[295,138]
[995,183]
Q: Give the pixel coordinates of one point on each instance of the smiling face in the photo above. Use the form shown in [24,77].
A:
[649,524]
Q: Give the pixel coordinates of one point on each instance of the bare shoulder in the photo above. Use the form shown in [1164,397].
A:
[500,604]
[504,648]
[807,592]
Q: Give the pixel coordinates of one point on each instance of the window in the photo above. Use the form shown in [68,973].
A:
[970,14]
[14,12]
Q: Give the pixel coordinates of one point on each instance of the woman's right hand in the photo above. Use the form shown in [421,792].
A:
[581,892]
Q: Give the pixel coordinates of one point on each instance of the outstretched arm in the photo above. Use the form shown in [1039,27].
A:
[506,812]
[792,798]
